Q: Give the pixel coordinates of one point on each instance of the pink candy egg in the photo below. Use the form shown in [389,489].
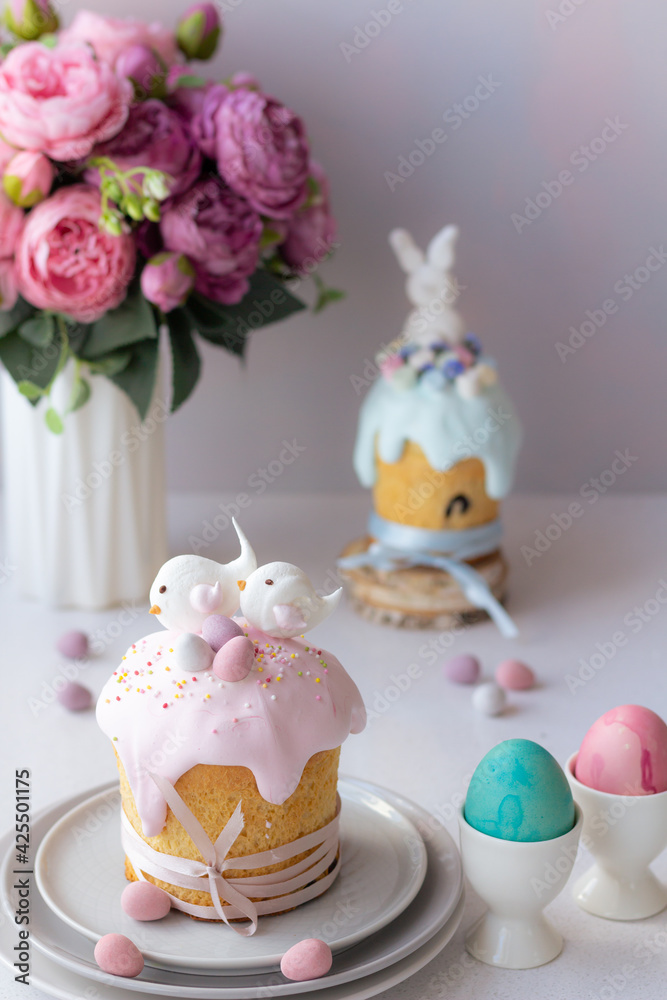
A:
[309,959]
[117,955]
[218,629]
[73,645]
[145,901]
[625,753]
[462,669]
[234,660]
[514,675]
[75,697]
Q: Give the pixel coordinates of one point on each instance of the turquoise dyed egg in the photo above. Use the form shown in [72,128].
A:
[519,792]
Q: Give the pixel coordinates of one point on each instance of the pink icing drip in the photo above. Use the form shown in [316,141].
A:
[269,725]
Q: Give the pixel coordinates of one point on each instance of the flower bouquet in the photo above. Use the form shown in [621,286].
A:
[137,195]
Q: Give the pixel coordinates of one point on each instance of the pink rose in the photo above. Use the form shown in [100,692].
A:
[11,224]
[154,136]
[311,231]
[262,152]
[8,290]
[167,280]
[109,36]
[66,263]
[220,234]
[60,101]
[28,178]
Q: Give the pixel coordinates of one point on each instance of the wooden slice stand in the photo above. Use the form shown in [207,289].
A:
[419,596]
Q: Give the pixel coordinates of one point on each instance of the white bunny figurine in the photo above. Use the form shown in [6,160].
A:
[429,287]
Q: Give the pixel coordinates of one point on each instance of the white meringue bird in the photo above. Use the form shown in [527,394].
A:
[279,599]
[189,588]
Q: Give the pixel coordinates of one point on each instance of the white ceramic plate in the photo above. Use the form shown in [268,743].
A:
[79,871]
[381,960]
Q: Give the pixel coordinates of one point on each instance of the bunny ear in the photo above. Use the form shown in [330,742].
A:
[440,251]
[409,256]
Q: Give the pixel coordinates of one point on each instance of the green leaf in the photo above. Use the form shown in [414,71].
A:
[138,378]
[53,421]
[326,296]
[30,390]
[186,364]
[79,396]
[26,363]
[111,364]
[191,80]
[38,331]
[266,302]
[131,322]
[12,318]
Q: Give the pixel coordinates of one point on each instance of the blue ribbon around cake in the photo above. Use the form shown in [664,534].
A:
[398,546]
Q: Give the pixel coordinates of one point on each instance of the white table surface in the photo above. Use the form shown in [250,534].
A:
[426,743]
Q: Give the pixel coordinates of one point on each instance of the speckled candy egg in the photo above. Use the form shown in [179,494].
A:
[309,959]
[625,753]
[218,629]
[515,675]
[234,660]
[75,697]
[117,955]
[462,669]
[489,699]
[192,653]
[145,901]
[73,645]
[519,792]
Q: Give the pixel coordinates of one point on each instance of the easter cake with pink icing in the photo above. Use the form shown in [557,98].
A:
[227,734]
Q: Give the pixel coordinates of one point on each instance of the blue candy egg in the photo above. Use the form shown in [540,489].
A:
[519,792]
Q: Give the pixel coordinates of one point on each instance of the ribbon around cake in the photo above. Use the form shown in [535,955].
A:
[397,546]
[273,892]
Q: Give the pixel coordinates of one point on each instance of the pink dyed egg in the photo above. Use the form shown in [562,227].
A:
[462,669]
[75,697]
[145,901]
[309,959]
[73,645]
[515,675]
[234,660]
[117,955]
[625,753]
[218,629]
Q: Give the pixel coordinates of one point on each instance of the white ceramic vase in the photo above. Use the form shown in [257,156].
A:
[84,510]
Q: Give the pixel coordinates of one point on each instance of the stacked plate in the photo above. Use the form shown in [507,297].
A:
[396,903]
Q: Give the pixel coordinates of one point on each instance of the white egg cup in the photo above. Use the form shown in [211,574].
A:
[516,880]
[624,833]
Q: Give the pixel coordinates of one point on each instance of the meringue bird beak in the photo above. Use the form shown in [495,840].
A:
[155,610]
[240,584]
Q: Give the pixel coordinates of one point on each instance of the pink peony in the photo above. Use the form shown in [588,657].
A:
[220,233]
[28,178]
[60,101]
[11,224]
[109,36]
[198,31]
[66,263]
[8,290]
[311,231]
[262,152]
[167,280]
[154,136]
[203,124]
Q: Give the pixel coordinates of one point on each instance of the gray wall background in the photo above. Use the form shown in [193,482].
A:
[557,71]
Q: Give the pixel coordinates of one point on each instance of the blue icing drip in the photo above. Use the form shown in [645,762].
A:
[447,427]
